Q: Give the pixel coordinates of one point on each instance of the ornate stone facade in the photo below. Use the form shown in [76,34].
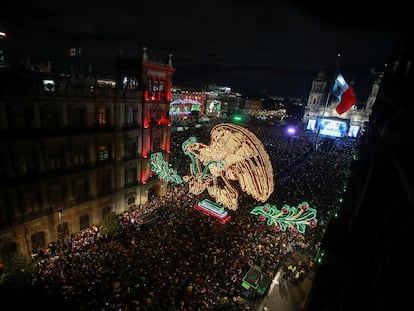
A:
[73,149]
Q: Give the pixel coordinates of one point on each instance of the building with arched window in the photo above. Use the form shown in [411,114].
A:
[320,116]
[74,148]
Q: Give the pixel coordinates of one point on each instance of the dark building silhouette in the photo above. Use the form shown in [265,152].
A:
[366,263]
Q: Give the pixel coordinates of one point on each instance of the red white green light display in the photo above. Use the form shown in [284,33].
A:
[164,172]
[292,218]
[235,156]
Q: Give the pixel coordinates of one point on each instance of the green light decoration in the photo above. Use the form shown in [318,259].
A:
[288,217]
[162,169]
[320,257]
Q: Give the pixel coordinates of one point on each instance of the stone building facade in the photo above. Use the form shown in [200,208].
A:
[74,148]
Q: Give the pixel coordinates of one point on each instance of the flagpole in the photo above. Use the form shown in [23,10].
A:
[326,102]
[323,115]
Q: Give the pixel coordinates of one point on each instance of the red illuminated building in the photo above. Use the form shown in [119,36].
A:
[74,148]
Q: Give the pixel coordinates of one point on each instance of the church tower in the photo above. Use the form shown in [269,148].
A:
[317,92]
[320,111]
[374,91]
[316,99]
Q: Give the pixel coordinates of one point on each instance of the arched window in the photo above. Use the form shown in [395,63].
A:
[130,116]
[19,116]
[38,240]
[51,118]
[83,222]
[104,152]
[77,118]
[103,116]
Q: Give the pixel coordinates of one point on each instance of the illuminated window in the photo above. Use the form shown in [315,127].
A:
[49,85]
[102,116]
[103,153]
[125,82]
[195,107]
[106,83]
[134,83]
[156,86]
[130,83]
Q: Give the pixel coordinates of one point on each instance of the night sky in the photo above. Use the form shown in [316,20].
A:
[279,46]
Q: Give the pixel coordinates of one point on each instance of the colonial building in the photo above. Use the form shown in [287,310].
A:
[321,108]
[75,148]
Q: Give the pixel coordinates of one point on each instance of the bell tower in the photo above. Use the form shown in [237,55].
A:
[317,92]
[316,99]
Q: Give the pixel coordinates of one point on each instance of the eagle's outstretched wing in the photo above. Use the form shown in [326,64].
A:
[234,155]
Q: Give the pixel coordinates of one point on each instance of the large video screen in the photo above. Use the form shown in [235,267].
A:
[311,126]
[334,128]
[353,131]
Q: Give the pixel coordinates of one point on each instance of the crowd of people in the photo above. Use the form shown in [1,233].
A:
[186,260]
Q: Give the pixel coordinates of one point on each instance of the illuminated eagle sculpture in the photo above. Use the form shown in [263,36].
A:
[234,160]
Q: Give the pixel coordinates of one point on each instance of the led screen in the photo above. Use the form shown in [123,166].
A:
[353,131]
[334,128]
[311,125]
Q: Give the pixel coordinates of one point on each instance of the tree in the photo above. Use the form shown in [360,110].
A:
[18,273]
[110,226]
